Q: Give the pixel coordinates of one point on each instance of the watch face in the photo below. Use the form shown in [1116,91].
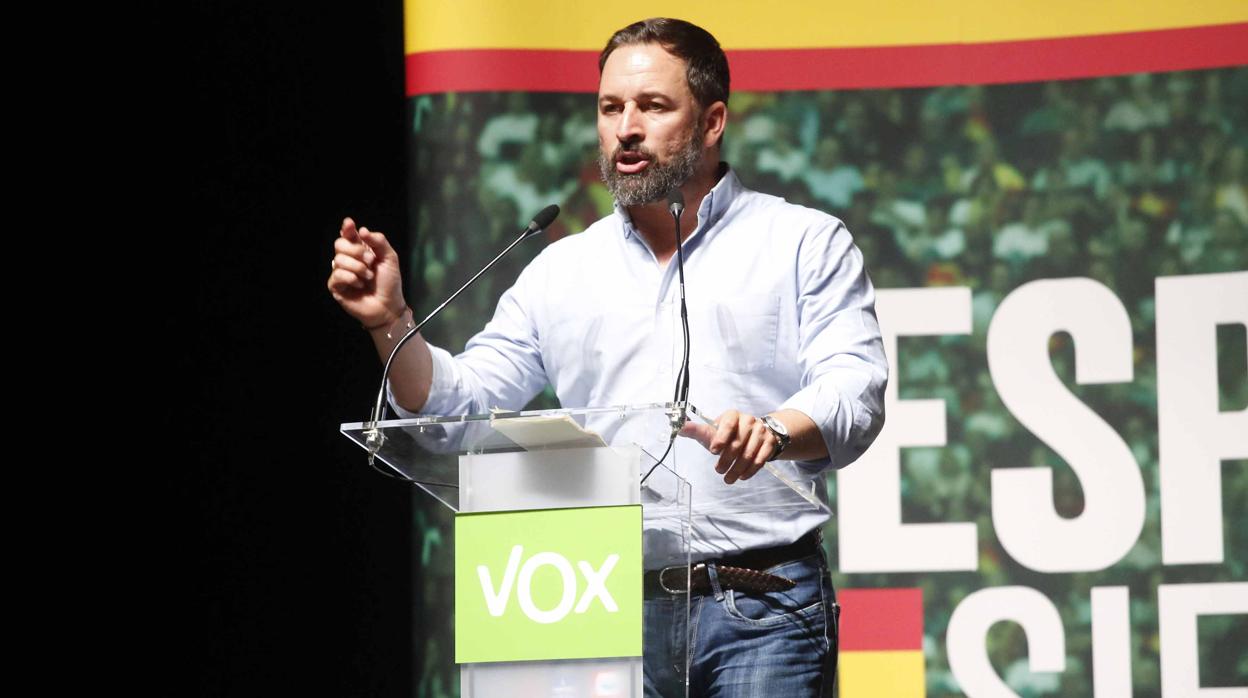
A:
[776,426]
[782,436]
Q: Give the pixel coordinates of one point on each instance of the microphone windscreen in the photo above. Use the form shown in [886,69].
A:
[545,217]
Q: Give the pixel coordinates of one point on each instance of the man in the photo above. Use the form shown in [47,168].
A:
[785,344]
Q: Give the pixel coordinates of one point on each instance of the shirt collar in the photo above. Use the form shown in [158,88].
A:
[712,208]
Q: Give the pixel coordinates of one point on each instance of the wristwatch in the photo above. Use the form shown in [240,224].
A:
[782,435]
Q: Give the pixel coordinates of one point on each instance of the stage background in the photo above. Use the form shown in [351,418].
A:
[268,558]
[972,153]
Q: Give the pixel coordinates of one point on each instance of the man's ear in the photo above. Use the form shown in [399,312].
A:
[714,118]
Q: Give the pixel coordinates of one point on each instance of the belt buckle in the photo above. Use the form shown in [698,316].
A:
[688,573]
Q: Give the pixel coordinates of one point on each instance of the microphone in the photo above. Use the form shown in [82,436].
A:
[676,202]
[374,436]
[541,221]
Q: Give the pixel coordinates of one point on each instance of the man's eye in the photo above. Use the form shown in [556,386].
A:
[610,108]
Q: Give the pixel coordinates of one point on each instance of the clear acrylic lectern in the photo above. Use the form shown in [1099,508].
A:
[565,458]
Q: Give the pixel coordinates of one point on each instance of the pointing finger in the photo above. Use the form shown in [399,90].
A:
[348,230]
[702,433]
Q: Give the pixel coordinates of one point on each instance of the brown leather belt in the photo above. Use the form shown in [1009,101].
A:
[743,572]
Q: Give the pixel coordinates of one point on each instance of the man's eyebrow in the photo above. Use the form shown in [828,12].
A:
[647,94]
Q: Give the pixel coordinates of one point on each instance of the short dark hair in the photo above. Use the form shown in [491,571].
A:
[706,66]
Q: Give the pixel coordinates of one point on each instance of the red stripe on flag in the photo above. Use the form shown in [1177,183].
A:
[489,70]
[997,62]
[881,619]
[542,70]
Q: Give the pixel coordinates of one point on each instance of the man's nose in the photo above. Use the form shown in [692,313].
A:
[628,129]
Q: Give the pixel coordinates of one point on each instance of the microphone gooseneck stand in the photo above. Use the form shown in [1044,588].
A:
[373,436]
[676,206]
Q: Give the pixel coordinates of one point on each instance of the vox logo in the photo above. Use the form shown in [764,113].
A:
[548,584]
[595,586]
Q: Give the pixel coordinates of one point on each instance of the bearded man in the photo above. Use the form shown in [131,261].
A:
[786,347]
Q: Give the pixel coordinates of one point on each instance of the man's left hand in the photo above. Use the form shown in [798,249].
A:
[742,442]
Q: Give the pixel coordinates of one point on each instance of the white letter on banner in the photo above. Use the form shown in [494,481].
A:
[496,601]
[596,585]
[872,536]
[1113,490]
[1177,608]
[1193,436]
[1111,642]
[524,591]
[968,630]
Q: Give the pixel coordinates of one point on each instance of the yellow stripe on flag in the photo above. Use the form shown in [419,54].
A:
[880,674]
[437,25]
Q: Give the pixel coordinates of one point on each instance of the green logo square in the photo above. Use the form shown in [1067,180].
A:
[551,584]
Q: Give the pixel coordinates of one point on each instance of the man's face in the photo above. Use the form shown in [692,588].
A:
[649,124]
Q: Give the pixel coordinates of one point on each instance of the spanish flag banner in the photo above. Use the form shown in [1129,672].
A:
[479,45]
[881,643]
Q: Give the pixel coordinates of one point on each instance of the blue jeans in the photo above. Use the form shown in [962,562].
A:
[746,644]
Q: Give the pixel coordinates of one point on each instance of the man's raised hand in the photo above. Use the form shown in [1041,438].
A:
[364,277]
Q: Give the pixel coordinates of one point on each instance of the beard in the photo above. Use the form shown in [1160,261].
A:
[658,178]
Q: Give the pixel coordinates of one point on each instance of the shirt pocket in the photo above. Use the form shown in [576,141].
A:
[737,335]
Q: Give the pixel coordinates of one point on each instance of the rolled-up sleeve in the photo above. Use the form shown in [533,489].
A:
[500,367]
[841,354]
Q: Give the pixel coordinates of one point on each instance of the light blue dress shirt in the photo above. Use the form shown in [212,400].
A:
[781,315]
